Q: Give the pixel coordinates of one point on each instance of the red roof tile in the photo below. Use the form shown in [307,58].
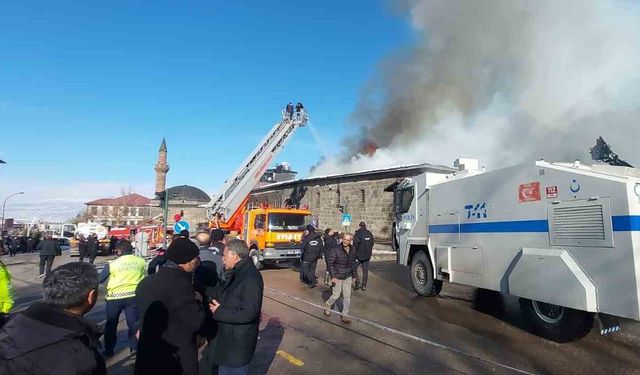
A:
[125,200]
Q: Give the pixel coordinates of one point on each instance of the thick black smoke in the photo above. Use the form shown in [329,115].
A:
[505,81]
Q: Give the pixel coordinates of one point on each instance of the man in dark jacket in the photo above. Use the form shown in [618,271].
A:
[216,246]
[289,111]
[340,263]
[209,274]
[52,337]
[170,315]
[299,110]
[15,246]
[113,241]
[330,241]
[312,249]
[363,243]
[82,247]
[93,247]
[49,249]
[158,261]
[237,310]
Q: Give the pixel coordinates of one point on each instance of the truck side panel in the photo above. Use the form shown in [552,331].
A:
[488,219]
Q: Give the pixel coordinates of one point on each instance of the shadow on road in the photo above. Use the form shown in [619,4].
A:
[269,342]
[495,304]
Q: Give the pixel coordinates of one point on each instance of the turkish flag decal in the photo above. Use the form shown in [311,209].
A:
[529,192]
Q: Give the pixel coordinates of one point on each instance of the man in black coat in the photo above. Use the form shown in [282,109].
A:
[330,241]
[158,261]
[363,243]
[237,311]
[51,337]
[15,246]
[312,249]
[82,247]
[113,241]
[209,274]
[49,249]
[93,247]
[170,315]
[289,111]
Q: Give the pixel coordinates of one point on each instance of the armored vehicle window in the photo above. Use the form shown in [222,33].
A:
[407,199]
[403,200]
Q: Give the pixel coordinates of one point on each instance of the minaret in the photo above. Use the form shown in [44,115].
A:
[162,168]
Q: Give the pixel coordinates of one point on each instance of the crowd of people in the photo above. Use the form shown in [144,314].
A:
[344,255]
[203,294]
[89,247]
[200,295]
[18,244]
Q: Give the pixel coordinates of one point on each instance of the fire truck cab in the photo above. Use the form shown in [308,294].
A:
[274,234]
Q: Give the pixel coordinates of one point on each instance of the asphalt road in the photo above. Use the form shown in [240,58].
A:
[394,331]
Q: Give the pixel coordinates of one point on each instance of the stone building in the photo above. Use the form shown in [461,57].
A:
[360,194]
[130,209]
[188,199]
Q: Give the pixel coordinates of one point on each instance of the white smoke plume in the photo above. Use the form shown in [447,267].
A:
[504,81]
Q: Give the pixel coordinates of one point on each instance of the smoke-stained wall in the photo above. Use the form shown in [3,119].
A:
[364,200]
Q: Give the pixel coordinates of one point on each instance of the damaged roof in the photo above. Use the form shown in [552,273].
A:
[397,171]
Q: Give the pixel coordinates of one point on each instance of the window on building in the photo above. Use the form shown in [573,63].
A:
[144,211]
[338,195]
[362,196]
[318,200]
[94,210]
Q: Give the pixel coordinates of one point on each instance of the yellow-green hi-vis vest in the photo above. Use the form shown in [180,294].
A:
[124,275]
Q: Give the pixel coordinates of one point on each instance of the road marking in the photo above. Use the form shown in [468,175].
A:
[404,334]
[289,358]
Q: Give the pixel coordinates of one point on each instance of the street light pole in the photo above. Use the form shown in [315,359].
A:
[3,206]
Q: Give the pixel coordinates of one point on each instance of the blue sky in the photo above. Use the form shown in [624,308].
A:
[89,89]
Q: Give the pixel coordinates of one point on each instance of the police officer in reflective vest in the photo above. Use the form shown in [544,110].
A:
[124,274]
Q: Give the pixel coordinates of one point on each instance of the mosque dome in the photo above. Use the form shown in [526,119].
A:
[187,193]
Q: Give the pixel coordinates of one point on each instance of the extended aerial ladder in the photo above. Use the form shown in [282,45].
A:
[234,195]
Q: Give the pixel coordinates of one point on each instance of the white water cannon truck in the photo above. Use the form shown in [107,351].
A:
[564,237]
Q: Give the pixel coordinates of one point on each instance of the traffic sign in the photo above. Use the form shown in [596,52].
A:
[180,226]
[346,220]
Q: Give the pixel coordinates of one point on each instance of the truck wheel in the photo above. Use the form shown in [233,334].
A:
[255,257]
[422,276]
[556,323]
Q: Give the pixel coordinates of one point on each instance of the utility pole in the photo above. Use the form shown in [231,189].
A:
[165,217]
